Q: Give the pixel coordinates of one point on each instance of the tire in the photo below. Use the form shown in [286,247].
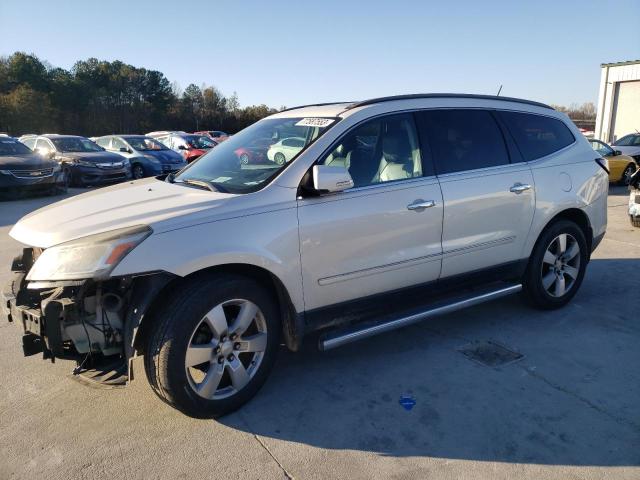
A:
[137,172]
[544,281]
[627,174]
[244,159]
[182,326]
[279,158]
[635,221]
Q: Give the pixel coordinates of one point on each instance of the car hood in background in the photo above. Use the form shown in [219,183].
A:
[165,156]
[97,157]
[25,162]
[144,202]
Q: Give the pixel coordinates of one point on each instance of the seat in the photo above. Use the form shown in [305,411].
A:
[397,161]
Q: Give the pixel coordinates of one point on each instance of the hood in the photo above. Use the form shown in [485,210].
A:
[96,157]
[628,150]
[165,156]
[25,162]
[144,202]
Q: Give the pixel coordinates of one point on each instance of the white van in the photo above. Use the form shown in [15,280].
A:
[392,210]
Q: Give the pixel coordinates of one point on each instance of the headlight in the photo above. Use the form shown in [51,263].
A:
[94,256]
[5,172]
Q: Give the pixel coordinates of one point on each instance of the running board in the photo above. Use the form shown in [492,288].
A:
[358,332]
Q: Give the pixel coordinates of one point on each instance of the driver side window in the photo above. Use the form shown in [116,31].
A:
[380,150]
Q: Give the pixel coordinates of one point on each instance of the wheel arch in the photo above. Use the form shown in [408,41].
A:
[575,215]
[292,322]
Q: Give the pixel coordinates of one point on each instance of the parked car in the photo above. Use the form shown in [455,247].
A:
[84,162]
[254,152]
[395,210]
[22,170]
[285,150]
[188,145]
[621,167]
[629,145]
[147,156]
[217,135]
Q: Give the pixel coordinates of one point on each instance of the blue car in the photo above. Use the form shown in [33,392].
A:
[148,157]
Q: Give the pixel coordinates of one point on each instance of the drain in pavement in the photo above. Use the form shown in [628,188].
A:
[489,353]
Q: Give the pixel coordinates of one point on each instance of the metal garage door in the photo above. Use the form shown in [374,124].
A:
[626,109]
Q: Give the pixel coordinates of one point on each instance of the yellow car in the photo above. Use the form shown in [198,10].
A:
[621,167]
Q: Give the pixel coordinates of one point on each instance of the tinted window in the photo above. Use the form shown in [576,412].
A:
[9,146]
[536,135]
[381,150]
[463,139]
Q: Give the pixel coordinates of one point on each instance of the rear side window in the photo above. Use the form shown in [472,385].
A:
[536,135]
[462,140]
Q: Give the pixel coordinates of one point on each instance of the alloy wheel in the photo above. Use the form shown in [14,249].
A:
[627,174]
[226,349]
[561,265]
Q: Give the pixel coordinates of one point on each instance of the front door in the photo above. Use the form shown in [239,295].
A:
[384,234]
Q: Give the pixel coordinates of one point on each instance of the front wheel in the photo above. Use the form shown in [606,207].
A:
[213,345]
[557,265]
[137,172]
[627,174]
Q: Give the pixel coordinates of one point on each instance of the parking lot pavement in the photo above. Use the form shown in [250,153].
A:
[567,409]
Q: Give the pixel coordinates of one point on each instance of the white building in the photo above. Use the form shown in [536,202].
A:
[618,100]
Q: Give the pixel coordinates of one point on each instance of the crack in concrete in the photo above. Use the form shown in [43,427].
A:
[566,391]
[282,467]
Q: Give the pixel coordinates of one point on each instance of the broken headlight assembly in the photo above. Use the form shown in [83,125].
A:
[92,257]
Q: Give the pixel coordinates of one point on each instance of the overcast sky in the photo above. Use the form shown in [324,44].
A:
[290,53]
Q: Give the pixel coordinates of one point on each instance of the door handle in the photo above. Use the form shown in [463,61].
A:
[421,205]
[518,188]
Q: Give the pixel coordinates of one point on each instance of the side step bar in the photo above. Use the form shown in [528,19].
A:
[357,332]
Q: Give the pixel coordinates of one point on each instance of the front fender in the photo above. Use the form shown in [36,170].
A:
[268,240]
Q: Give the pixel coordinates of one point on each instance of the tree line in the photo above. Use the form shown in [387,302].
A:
[97,97]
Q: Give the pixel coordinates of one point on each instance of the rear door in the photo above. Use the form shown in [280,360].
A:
[488,191]
[383,234]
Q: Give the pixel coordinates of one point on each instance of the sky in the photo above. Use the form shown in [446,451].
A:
[287,53]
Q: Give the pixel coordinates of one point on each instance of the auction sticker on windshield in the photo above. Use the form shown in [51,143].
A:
[315,122]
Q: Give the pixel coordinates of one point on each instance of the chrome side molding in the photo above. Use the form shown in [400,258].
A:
[342,337]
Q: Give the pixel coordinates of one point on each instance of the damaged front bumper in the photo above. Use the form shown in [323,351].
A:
[94,323]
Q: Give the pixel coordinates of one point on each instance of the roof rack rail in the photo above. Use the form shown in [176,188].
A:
[314,105]
[444,95]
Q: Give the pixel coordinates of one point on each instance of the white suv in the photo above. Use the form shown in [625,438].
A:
[394,210]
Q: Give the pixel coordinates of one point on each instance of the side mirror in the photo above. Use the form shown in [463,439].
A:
[181,147]
[124,150]
[327,179]
[616,153]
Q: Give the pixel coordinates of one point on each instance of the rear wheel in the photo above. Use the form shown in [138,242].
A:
[213,346]
[635,221]
[557,266]
[279,158]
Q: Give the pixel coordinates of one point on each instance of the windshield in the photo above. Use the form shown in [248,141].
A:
[628,141]
[75,144]
[145,144]
[198,141]
[250,159]
[9,146]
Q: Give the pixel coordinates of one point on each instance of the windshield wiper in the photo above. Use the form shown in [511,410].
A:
[201,183]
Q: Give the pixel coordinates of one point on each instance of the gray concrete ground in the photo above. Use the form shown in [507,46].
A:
[568,409]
